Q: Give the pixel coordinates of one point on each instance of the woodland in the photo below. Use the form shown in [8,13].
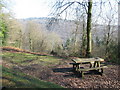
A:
[37,52]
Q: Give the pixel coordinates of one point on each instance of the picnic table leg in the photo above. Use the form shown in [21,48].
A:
[77,67]
[101,71]
[74,67]
[98,65]
[95,63]
[91,65]
[81,74]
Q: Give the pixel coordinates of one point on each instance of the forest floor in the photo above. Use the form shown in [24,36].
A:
[61,73]
[64,76]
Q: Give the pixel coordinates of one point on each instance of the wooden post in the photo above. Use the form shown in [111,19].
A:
[82,74]
[101,71]
[98,64]
[95,64]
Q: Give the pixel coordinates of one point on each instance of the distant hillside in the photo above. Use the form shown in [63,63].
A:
[65,28]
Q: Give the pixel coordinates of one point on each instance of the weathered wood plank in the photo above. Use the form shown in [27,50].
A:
[93,68]
[82,60]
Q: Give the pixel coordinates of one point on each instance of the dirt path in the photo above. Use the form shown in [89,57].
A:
[63,75]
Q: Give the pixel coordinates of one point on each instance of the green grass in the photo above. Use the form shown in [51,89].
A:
[15,79]
[11,78]
[28,59]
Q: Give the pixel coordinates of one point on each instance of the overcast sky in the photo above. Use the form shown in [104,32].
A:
[31,8]
[39,8]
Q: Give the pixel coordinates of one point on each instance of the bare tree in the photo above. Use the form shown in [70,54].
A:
[110,32]
[89,21]
[62,6]
[83,46]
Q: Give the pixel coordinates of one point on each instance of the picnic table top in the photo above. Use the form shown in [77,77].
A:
[83,60]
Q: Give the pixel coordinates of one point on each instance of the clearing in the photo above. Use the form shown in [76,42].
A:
[56,70]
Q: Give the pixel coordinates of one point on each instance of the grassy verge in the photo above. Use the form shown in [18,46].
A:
[15,79]
[28,59]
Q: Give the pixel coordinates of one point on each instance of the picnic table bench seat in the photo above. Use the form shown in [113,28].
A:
[96,64]
[82,70]
[93,68]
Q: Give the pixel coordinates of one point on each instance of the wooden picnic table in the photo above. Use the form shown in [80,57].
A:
[95,64]
[82,60]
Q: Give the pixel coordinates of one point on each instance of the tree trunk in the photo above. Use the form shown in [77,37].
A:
[89,20]
[83,47]
[108,39]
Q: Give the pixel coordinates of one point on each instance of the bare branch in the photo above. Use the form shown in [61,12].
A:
[84,5]
[110,4]
[65,8]
[64,4]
